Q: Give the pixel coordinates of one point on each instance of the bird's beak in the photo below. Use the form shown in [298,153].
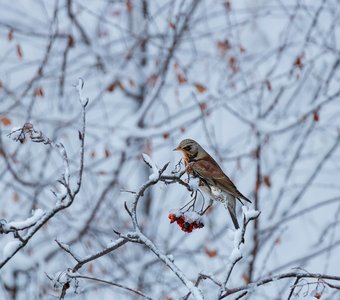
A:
[177,149]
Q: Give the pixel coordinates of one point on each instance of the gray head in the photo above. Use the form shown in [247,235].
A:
[191,149]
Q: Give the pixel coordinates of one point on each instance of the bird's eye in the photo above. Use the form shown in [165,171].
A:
[187,148]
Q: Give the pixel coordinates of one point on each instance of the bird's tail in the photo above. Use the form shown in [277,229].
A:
[230,204]
[240,196]
[233,217]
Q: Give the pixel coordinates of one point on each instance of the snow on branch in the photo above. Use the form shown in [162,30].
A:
[155,171]
[238,240]
[36,136]
[152,181]
[298,275]
[197,294]
[64,199]
[21,225]
[137,236]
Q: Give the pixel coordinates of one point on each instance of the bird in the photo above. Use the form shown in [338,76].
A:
[212,180]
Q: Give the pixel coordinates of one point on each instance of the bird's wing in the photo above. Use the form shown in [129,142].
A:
[211,172]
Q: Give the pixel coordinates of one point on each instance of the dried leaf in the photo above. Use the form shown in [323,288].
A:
[268,84]
[10,35]
[147,147]
[16,197]
[172,25]
[166,135]
[152,79]
[257,185]
[129,6]
[267,181]
[298,61]
[90,268]
[70,41]
[39,92]
[210,253]
[93,154]
[107,153]
[223,46]
[316,116]
[200,88]
[121,86]
[19,51]
[5,121]
[233,64]
[181,78]
[246,278]
[111,87]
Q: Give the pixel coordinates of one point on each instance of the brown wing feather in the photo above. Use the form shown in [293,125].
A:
[211,172]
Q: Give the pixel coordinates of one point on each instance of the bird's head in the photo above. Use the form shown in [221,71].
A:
[191,149]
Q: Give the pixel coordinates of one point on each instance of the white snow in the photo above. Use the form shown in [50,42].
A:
[79,88]
[194,183]
[15,133]
[196,293]
[155,170]
[21,262]
[66,165]
[235,255]
[237,237]
[65,246]
[61,193]
[10,248]
[37,214]
[59,279]
[192,216]
[171,257]
[249,213]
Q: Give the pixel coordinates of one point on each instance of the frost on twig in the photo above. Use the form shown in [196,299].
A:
[67,249]
[10,248]
[36,136]
[21,225]
[238,241]
[35,223]
[79,87]
[155,171]
[249,214]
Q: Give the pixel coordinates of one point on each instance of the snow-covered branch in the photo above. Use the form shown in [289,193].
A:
[21,225]
[36,136]
[64,199]
[298,275]
[238,240]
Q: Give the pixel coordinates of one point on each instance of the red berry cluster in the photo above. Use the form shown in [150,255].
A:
[185,225]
